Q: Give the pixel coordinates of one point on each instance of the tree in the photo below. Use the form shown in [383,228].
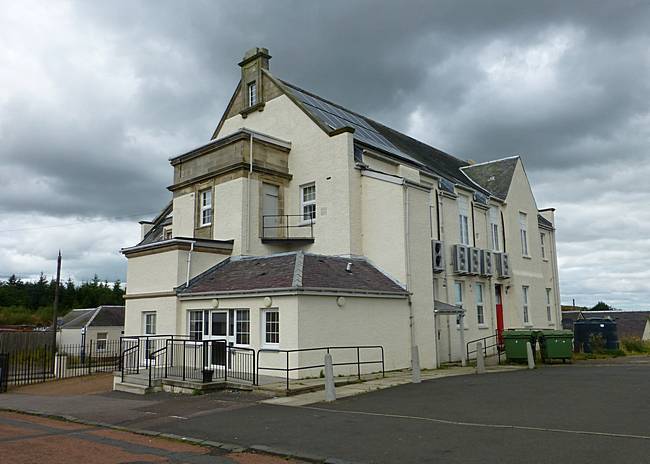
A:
[601,306]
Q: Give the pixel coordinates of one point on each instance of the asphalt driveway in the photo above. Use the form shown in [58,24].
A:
[584,413]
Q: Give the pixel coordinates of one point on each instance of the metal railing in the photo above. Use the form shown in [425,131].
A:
[279,227]
[37,364]
[179,357]
[489,342]
[287,369]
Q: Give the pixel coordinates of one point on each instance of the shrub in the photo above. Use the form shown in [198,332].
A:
[635,345]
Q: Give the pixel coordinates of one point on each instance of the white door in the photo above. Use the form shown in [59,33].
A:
[271,223]
[219,337]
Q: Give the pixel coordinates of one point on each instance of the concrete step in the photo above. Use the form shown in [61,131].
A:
[135,388]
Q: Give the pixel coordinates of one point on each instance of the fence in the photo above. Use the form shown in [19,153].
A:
[19,341]
[343,356]
[41,363]
[177,357]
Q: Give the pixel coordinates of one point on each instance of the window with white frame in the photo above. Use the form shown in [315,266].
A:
[206,207]
[167,233]
[102,340]
[523,233]
[252,93]
[271,327]
[149,323]
[463,219]
[524,295]
[549,313]
[308,202]
[195,325]
[494,227]
[542,239]
[480,311]
[243,327]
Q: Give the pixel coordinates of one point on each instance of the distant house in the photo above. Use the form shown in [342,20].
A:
[81,326]
[630,324]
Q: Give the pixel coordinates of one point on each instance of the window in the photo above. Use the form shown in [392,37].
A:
[149,323]
[480,313]
[458,294]
[196,325]
[252,94]
[524,293]
[463,214]
[542,236]
[494,227]
[102,340]
[523,233]
[271,327]
[206,207]
[308,202]
[243,327]
[549,313]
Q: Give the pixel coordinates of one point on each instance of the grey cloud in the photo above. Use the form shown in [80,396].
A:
[118,87]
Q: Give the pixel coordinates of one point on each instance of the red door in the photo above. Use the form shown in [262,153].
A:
[499,306]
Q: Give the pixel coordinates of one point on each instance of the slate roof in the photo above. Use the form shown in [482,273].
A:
[373,134]
[102,316]
[156,233]
[630,324]
[493,176]
[542,221]
[292,271]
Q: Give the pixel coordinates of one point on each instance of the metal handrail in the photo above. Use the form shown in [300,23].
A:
[288,369]
[286,227]
[496,344]
[123,356]
[152,356]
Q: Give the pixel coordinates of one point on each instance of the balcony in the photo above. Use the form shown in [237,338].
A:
[287,228]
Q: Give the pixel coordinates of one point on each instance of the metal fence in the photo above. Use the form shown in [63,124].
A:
[177,357]
[42,363]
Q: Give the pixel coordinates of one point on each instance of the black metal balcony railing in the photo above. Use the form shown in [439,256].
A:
[287,227]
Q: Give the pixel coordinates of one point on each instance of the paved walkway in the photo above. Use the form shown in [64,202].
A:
[29,439]
[392,379]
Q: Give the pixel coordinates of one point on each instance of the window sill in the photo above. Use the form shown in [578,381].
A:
[483,326]
[204,225]
[528,325]
[545,260]
[526,256]
[251,109]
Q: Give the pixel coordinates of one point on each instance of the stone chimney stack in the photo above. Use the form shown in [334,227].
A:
[255,60]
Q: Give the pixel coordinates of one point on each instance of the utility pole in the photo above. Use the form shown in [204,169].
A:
[55,308]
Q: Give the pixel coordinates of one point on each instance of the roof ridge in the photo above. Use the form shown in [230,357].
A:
[297,269]
[491,161]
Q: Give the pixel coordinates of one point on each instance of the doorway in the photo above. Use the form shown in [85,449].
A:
[499,310]
[220,337]
[271,223]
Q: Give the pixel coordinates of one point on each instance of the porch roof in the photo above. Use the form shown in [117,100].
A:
[296,271]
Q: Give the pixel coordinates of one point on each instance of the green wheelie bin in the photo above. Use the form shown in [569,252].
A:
[556,344]
[515,343]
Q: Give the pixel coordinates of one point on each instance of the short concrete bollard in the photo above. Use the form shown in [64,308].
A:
[330,389]
[480,358]
[531,358]
[415,365]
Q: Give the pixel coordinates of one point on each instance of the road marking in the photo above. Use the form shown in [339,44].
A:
[178,417]
[478,424]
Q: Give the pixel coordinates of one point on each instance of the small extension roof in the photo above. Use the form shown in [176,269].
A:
[295,271]
[102,316]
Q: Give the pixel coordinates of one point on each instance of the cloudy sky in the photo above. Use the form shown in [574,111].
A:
[95,96]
